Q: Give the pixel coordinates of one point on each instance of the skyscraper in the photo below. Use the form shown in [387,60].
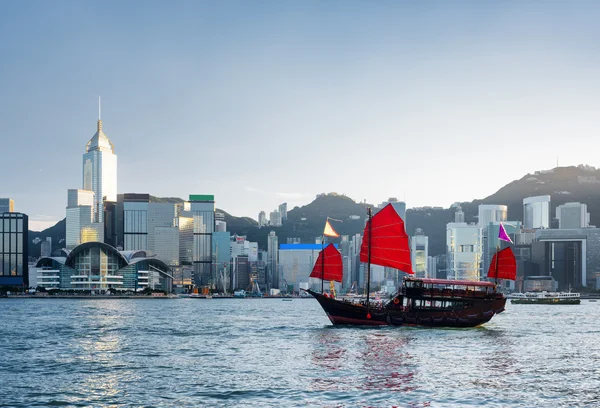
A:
[202,209]
[536,212]
[272,259]
[14,269]
[283,211]
[6,205]
[100,171]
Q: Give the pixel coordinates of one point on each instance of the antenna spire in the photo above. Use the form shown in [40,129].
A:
[99,115]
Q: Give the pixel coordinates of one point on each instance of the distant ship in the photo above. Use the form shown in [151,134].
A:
[419,301]
[546,298]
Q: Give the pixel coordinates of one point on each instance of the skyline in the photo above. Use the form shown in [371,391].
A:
[266,102]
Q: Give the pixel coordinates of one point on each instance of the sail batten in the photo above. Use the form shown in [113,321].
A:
[332,263]
[503,265]
[388,241]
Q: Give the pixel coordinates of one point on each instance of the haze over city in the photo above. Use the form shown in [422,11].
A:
[264,102]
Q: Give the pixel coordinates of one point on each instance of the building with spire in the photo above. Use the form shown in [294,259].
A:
[100,170]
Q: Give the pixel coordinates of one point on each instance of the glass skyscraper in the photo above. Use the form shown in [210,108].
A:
[100,171]
[13,249]
[202,209]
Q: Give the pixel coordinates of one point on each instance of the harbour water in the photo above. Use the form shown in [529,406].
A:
[264,352]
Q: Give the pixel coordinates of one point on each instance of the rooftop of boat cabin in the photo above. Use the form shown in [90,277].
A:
[450,282]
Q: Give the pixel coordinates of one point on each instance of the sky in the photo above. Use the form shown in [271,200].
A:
[264,102]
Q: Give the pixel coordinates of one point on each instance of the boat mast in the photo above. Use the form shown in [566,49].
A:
[323,260]
[370,213]
[497,256]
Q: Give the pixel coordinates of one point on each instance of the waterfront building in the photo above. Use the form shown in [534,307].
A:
[572,216]
[283,211]
[96,266]
[6,205]
[262,219]
[100,171]
[419,252]
[296,262]
[490,242]
[135,221]
[46,247]
[432,267]
[79,224]
[464,251]
[570,256]
[14,240]
[273,259]
[221,259]
[202,210]
[536,212]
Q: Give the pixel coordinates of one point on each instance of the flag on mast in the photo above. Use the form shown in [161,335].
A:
[503,235]
[329,231]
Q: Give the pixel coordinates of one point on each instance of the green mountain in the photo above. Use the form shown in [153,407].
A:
[563,184]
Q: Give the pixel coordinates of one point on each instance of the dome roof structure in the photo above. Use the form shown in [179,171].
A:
[100,141]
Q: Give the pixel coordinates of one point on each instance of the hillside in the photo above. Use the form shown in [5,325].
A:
[563,184]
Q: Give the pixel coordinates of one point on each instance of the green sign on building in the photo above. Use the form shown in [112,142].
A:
[202,197]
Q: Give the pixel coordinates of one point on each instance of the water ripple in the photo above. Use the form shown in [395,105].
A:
[267,353]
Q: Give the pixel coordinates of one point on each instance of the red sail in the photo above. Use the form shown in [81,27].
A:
[507,265]
[389,242]
[333,265]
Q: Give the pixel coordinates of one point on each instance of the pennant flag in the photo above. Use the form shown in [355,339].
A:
[503,235]
[329,231]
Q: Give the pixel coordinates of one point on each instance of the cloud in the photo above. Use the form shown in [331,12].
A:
[253,190]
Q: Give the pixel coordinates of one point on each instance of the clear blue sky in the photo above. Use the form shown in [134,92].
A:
[260,102]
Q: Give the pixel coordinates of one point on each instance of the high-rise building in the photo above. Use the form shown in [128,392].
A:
[536,212]
[80,227]
[491,213]
[463,247]
[222,259]
[262,219]
[14,239]
[46,247]
[272,259]
[202,209]
[419,252]
[275,219]
[572,216]
[283,211]
[135,221]
[6,205]
[100,171]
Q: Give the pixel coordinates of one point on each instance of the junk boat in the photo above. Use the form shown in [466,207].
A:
[419,301]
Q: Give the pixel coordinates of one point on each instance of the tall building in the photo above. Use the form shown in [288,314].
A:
[283,211]
[399,206]
[272,259]
[6,205]
[80,227]
[419,252]
[202,209]
[262,219]
[572,216]
[464,252]
[100,171]
[14,239]
[491,213]
[135,221]
[46,247]
[275,219]
[222,259]
[536,212]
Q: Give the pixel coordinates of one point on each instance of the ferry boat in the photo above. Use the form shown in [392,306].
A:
[419,301]
[546,298]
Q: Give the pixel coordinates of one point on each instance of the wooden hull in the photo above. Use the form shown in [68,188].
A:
[347,313]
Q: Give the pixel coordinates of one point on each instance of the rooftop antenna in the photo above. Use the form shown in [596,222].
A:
[99,109]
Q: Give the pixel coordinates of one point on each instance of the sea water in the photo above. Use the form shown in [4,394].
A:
[265,352]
